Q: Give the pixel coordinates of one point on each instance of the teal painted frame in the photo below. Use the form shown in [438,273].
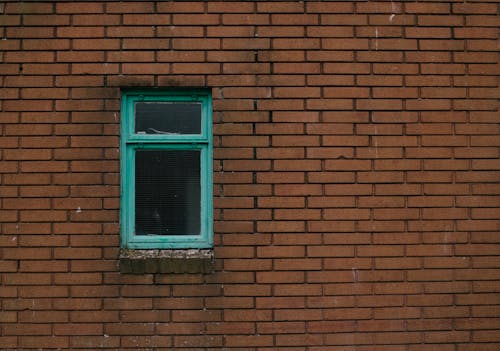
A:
[130,142]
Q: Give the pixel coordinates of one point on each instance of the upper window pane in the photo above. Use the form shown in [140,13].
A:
[168,118]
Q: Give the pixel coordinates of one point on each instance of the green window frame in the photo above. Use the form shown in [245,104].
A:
[177,145]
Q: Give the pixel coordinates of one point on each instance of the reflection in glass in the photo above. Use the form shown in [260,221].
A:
[167,118]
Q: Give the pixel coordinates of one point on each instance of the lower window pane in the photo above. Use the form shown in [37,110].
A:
[167,192]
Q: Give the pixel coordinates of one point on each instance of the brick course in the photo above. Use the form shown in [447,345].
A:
[355,175]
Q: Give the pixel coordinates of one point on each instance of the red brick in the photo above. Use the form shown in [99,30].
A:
[245,19]
[198,19]
[280,226]
[474,8]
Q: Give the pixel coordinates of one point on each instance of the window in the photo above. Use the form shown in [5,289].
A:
[166,169]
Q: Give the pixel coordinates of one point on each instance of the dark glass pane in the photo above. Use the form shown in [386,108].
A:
[167,118]
[167,192]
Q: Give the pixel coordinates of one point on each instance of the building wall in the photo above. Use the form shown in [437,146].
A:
[355,173]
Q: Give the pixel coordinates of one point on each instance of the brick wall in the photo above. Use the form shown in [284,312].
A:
[355,174]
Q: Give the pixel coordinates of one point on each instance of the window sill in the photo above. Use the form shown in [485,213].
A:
[166,261]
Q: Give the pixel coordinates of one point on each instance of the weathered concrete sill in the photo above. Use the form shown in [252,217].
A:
[166,261]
